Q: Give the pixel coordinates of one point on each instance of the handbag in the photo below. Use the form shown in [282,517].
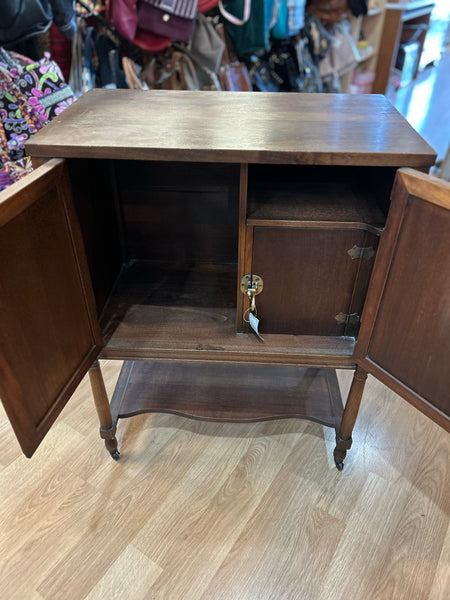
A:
[248,24]
[170,18]
[343,54]
[317,37]
[207,47]
[43,81]
[290,19]
[263,77]
[205,5]
[123,15]
[309,77]
[233,75]
[19,119]
[285,64]
[358,7]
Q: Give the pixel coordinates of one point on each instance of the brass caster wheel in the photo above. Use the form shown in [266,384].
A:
[339,464]
[115,454]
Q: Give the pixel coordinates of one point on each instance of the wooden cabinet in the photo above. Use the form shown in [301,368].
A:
[134,247]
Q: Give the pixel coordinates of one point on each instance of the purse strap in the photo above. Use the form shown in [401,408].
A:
[131,74]
[232,18]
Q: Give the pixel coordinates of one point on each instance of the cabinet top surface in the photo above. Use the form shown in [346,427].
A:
[337,129]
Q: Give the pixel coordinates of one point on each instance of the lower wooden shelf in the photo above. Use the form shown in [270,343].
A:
[228,392]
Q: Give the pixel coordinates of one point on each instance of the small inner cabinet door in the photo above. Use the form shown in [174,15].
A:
[405,333]
[49,334]
[310,279]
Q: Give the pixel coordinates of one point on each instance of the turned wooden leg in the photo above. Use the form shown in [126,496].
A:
[107,425]
[344,436]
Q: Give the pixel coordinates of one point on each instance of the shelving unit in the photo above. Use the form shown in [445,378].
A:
[367,28]
[399,15]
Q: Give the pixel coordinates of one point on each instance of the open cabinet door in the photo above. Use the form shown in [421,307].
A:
[49,334]
[404,338]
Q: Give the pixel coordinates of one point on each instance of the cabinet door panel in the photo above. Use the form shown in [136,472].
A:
[405,333]
[49,334]
[309,278]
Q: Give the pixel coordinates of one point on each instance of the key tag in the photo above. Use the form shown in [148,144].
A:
[254,324]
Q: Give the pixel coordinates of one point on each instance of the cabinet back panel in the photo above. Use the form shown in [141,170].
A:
[309,278]
[179,212]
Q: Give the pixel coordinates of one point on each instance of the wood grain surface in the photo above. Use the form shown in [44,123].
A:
[221,511]
[234,127]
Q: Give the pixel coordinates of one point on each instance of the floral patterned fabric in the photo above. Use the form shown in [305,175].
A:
[44,86]
[31,94]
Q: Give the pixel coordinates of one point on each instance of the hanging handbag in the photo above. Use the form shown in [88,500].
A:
[207,47]
[263,77]
[317,37]
[309,78]
[170,18]
[248,24]
[358,7]
[233,74]
[123,15]
[43,80]
[343,54]
[290,19]
[205,5]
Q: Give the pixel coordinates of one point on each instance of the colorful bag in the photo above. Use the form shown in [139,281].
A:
[290,19]
[18,121]
[43,81]
[20,118]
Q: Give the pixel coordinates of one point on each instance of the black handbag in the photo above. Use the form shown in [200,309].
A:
[358,7]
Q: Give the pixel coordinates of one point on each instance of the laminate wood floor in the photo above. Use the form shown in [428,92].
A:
[214,511]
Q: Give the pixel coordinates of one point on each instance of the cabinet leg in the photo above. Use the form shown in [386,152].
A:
[107,425]
[344,436]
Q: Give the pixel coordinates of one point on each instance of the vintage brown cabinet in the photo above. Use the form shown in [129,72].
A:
[158,222]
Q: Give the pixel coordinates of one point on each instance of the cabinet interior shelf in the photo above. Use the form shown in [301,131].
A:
[189,313]
[317,204]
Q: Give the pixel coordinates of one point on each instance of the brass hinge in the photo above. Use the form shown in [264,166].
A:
[357,252]
[351,319]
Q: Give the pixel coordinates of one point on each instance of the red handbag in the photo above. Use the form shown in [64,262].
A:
[205,5]
[123,15]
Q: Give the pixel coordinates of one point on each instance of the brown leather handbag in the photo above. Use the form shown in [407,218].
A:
[233,75]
